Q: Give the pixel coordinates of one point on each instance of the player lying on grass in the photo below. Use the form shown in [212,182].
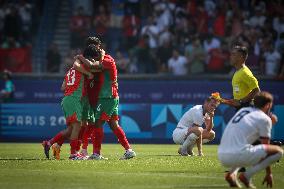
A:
[189,130]
[236,149]
[106,87]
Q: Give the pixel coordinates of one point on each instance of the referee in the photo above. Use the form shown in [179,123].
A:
[244,84]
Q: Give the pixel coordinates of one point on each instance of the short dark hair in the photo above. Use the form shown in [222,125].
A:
[242,50]
[93,40]
[262,98]
[92,52]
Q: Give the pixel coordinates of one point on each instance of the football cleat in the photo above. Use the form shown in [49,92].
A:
[46,148]
[77,157]
[128,155]
[247,182]
[56,151]
[182,153]
[231,179]
[97,157]
[84,152]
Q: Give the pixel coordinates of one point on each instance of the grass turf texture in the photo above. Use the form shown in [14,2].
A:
[156,166]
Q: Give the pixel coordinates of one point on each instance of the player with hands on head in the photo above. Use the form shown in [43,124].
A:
[189,129]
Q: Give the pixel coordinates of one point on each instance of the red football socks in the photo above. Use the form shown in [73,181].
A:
[73,145]
[97,139]
[87,133]
[58,137]
[119,133]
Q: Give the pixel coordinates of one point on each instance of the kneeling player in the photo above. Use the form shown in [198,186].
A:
[189,130]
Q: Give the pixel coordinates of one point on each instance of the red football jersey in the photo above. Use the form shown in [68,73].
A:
[74,81]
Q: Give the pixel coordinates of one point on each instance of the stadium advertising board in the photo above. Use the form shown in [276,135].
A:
[149,110]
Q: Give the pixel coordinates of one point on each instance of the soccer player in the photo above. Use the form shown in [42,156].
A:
[189,129]
[74,107]
[244,84]
[107,105]
[236,149]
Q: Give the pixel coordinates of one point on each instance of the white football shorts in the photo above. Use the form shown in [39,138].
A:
[248,156]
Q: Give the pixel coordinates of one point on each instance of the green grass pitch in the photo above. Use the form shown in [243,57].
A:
[22,165]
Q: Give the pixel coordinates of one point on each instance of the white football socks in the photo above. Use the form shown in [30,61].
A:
[263,164]
[190,140]
[205,141]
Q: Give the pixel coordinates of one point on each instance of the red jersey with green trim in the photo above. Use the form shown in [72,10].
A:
[106,81]
[92,91]
[74,82]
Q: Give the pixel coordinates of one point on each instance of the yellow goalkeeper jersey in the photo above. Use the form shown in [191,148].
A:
[243,83]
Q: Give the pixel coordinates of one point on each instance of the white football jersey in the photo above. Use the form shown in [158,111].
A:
[247,125]
[193,116]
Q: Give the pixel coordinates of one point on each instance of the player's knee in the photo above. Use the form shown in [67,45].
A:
[198,131]
[211,135]
[280,151]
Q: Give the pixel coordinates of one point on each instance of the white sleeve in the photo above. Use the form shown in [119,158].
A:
[265,128]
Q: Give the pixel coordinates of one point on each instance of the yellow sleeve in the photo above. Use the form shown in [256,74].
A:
[250,81]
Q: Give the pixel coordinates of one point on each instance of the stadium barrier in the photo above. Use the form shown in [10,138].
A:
[149,110]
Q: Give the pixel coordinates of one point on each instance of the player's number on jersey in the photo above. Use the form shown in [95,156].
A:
[71,77]
[240,115]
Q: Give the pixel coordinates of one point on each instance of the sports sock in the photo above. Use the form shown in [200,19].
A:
[58,137]
[234,170]
[97,139]
[87,133]
[205,141]
[119,133]
[73,145]
[262,165]
[190,140]
[60,141]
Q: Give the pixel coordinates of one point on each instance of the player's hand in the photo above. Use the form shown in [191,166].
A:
[273,118]
[231,102]
[268,179]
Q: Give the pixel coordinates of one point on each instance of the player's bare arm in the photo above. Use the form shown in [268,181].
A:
[91,64]
[79,67]
[250,96]
[63,86]
[208,120]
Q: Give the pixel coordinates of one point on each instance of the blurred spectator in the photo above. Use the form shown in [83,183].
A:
[12,23]
[177,64]
[122,62]
[131,26]
[7,94]
[25,12]
[163,55]
[258,19]
[146,62]
[219,23]
[10,42]
[196,57]
[219,59]
[53,59]
[271,61]
[79,25]
[152,31]
[101,23]
[69,60]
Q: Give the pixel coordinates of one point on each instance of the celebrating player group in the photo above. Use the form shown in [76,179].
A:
[91,99]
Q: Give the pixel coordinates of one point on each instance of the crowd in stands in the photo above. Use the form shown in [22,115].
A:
[178,37]
[17,23]
[182,37]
